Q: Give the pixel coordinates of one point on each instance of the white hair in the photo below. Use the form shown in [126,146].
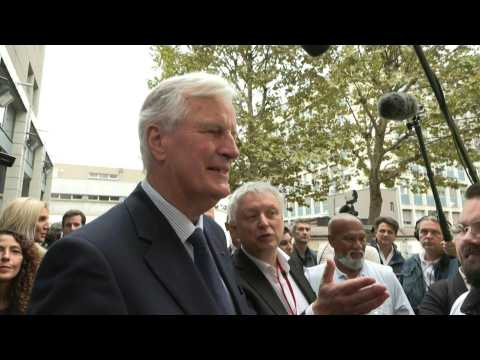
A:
[258,187]
[166,105]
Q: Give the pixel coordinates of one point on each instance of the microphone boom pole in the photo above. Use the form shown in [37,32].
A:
[437,89]
[415,123]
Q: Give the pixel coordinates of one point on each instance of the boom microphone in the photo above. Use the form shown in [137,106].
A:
[315,50]
[397,106]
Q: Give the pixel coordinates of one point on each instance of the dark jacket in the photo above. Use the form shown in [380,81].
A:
[396,263]
[310,258]
[441,296]
[471,305]
[130,261]
[260,294]
[412,277]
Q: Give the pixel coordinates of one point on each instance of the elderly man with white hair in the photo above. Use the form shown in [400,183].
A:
[348,239]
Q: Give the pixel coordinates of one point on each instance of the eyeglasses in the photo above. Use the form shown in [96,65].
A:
[460,229]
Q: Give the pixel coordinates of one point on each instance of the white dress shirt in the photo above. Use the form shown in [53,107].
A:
[428,269]
[396,304]
[458,304]
[182,225]
[278,283]
[386,260]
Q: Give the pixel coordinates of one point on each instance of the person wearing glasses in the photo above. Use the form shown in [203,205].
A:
[467,242]
[420,271]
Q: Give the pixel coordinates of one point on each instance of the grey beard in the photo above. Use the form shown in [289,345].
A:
[349,262]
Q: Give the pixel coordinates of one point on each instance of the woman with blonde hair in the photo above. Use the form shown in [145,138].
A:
[19,261]
[29,218]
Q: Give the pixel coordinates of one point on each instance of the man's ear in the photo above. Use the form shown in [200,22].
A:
[157,141]
[330,240]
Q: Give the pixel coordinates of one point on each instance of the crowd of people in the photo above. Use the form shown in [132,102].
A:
[160,252]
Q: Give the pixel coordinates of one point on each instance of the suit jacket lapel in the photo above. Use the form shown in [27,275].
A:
[167,256]
[297,273]
[255,278]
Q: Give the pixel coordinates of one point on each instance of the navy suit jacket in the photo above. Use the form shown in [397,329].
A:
[260,293]
[130,261]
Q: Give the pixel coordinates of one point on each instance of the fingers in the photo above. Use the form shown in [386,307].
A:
[352,286]
[329,271]
[371,304]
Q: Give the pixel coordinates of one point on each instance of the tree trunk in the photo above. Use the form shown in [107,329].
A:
[375,200]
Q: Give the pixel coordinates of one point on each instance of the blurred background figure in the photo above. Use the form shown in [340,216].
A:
[29,218]
[301,251]
[385,229]
[54,233]
[19,262]
[72,220]
[286,242]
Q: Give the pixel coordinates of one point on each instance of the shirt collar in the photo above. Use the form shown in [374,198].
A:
[341,275]
[182,226]
[266,267]
[426,262]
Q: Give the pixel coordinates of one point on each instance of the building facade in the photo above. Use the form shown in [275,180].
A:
[91,189]
[21,70]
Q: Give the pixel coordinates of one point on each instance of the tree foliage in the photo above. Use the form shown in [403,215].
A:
[298,114]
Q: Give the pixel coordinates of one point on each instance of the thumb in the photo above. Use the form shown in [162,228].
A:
[328,273]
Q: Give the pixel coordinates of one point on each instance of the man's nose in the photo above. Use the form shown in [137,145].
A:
[230,148]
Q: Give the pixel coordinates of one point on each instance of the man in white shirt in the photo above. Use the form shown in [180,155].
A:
[348,239]
[273,284]
[467,241]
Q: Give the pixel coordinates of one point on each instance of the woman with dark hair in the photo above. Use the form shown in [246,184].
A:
[19,260]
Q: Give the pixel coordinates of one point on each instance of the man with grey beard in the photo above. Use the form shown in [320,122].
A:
[467,241]
[348,239]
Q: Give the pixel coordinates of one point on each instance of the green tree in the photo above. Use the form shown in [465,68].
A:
[297,114]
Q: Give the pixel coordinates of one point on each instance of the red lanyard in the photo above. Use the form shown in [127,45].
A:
[294,310]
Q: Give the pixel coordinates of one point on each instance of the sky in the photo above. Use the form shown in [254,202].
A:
[90,99]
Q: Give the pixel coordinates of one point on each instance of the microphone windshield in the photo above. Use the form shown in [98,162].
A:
[315,50]
[397,106]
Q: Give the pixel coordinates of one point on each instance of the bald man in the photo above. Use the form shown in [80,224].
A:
[348,239]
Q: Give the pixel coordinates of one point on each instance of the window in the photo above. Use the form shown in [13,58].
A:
[77,197]
[308,207]
[430,200]
[7,119]
[453,197]
[103,198]
[419,214]
[55,196]
[65,196]
[451,172]
[114,198]
[317,207]
[418,199]
[407,217]
[404,195]
[92,197]
[26,185]
[300,210]
[461,174]
[442,196]
[102,176]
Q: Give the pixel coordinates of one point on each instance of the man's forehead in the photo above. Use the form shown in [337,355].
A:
[471,211]
[253,201]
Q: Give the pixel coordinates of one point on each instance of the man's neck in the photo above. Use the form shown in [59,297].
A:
[269,257]
[301,247]
[192,210]
[351,274]
[431,256]
[386,249]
